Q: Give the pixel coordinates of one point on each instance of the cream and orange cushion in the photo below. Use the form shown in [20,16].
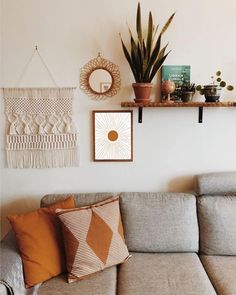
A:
[93,238]
[40,242]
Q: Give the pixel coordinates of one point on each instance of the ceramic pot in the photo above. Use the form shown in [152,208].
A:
[212,93]
[187,96]
[142,92]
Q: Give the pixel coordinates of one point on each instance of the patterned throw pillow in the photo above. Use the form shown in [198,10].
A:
[93,238]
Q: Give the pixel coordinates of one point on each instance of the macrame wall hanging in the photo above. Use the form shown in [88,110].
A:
[40,129]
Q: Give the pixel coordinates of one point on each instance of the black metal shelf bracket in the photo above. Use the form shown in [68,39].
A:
[200,115]
[140,114]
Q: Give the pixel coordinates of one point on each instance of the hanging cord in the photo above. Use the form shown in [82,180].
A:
[29,62]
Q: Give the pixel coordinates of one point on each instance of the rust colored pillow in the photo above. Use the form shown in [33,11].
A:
[93,237]
[40,242]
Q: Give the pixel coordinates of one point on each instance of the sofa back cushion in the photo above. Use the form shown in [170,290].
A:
[82,199]
[153,222]
[160,222]
[217,212]
[217,222]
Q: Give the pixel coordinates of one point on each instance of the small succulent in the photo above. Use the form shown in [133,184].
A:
[188,87]
[216,81]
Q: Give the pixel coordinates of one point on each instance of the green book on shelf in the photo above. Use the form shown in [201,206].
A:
[179,74]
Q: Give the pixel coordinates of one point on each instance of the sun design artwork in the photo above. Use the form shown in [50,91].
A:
[113,135]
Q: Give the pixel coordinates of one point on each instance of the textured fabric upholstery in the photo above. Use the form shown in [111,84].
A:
[163,274]
[4,289]
[102,283]
[160,222]
[216,183]
[11,267]
[217,222]
[222,273]
[80,199]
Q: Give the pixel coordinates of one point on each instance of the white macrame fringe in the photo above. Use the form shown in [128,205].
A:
[42,158]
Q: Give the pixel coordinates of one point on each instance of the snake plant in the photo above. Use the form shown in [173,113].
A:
[146,56]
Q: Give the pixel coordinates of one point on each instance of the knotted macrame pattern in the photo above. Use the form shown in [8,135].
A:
[40,129]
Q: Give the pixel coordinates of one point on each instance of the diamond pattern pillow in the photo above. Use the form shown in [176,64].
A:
[93,238]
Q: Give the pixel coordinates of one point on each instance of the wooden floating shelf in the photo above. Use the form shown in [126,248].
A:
[154,104]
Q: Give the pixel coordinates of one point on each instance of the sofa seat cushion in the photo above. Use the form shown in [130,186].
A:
[222,273]
[162,274]
[102,283]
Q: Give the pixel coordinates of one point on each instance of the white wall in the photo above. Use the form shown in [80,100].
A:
[170,146]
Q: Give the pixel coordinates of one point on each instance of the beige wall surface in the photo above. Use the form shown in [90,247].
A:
[170,147]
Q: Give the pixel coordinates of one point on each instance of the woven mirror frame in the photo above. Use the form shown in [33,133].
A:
[100,63]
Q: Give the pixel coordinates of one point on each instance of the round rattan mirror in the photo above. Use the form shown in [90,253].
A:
[100,78]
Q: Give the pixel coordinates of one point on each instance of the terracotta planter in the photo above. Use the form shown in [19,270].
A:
[142,91]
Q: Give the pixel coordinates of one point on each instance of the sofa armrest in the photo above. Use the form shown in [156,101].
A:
[12,277]
[11,266]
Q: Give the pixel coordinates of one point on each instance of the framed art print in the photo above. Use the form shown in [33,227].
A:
[113,135]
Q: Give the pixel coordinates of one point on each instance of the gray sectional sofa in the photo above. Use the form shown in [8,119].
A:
[180,244]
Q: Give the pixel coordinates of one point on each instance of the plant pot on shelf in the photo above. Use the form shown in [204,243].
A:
[212,93]
[187,96]
[142,92]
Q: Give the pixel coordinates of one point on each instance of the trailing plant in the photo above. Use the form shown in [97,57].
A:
[146,56]
[216,81]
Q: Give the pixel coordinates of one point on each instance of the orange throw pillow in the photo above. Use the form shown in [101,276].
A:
[40,242]
[93,237]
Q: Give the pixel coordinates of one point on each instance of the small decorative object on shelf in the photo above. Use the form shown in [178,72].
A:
[167,88]
[180,75]
[146,55]
[187,92]
[212,92]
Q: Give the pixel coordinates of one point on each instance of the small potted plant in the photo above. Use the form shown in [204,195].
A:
[212,91]
[145,56]
[187,92]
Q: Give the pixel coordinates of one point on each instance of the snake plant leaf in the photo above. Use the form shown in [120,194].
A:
[135,58]
[167,23]
[157,66]
[230,87]
[222,84]
[141,58]
[144,50]
[153,57]
[162,52]
[155,32]
[218,73]
[127,55]
[149,35]
[139,25]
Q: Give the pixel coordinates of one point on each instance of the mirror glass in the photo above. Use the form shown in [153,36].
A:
[100,80]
